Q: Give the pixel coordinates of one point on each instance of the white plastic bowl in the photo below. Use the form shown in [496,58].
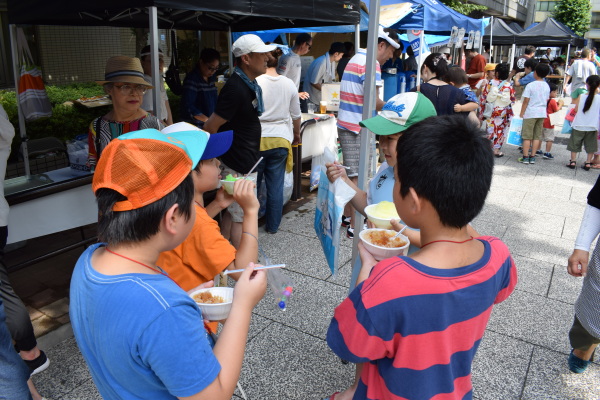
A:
[228,185]
[219,311]
[378,222]
[380,252]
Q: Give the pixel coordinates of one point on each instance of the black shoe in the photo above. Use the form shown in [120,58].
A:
[346,221]
[39,364]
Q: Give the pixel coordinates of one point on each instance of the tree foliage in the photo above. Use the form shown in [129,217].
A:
[463,7]
[576,14]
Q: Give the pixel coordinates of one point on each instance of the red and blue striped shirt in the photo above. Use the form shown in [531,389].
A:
[417,328]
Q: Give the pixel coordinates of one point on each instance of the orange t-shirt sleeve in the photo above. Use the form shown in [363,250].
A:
[203,254]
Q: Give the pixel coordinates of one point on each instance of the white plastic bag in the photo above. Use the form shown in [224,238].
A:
[315,171]
[331,200]
[77,151]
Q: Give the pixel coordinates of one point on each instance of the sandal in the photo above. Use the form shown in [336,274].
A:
[586,166]
[571,164]
[498,155]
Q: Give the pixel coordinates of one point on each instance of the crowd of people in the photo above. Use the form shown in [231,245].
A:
[159,239]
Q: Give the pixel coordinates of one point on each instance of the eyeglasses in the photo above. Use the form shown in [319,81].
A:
[129,89]
[213,69]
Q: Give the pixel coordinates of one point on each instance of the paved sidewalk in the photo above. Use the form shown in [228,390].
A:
[535,209]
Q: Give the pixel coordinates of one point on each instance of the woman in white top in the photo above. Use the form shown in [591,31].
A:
[280,123]
[586,124]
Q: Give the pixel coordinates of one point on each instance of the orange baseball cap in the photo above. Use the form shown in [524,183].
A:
[144,166]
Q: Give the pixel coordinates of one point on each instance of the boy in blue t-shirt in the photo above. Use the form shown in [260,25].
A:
[141,335]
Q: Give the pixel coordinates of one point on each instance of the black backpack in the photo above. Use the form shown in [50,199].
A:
[172,74]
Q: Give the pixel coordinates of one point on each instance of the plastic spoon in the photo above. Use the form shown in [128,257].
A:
[399,232]
[255,165]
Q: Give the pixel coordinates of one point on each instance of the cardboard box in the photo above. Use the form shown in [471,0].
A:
[330,92]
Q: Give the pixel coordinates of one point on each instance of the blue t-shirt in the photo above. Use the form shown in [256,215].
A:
[381,188]
[382,185]
[141,335]
[524,81]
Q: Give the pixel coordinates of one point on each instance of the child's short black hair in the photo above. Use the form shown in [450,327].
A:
[140,224]
[502,70]
[542,70]
[457,76]
[531,64]
[553,87]
[447,161]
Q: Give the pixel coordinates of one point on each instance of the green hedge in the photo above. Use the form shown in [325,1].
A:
[67,121]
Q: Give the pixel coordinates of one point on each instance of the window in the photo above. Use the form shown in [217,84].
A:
[595,21]
[545,5]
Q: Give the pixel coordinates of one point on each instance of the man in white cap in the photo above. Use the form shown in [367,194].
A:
[352,100]
[239,105]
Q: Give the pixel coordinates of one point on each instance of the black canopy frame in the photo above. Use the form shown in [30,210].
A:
[205,15]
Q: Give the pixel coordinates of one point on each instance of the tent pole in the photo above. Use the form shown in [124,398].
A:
[568,52]
[491,37]
[419,61]
[229,45]
[365,134]
[153,16]
[357,37]
[22,128]
[512,56]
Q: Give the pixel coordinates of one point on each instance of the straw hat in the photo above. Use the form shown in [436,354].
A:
[124,69]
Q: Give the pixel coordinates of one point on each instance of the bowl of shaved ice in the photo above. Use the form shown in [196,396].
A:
[381,214]
[215,303]
[382,243]
[229,180]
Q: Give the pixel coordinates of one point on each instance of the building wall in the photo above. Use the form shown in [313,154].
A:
[517,10]
[70,54]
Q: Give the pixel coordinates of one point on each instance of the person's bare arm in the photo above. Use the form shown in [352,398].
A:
[243,193]
[470,106]
[316,85]
[222,201]
[213,123]
[229,349]
[378,102]
[476,76]
[296,124]
[335,171]
[524,106]
[169,120]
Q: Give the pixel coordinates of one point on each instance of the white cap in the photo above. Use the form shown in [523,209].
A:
[445,50]
[385,35]
[250,44]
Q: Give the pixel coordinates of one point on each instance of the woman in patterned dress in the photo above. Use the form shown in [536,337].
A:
[500,95]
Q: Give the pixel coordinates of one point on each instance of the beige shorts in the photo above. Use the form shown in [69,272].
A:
[237,214]
[532,128]
[548,134]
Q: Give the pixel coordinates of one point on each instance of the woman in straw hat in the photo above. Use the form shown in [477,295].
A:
[124,83]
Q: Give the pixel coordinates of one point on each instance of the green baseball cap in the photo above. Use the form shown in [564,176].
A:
[400,113]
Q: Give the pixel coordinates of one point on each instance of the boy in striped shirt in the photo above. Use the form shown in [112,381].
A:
[416,322]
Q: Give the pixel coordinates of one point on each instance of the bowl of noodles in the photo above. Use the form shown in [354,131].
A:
[215,302]
[380,244]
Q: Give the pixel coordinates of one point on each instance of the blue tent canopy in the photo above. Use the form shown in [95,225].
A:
[434,17]
[270,35]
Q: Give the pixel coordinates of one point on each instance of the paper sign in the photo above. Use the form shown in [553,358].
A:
[470,41]
[460,38]
[330,92]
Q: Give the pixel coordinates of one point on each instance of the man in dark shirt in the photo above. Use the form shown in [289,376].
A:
[199,95]
[238,107]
